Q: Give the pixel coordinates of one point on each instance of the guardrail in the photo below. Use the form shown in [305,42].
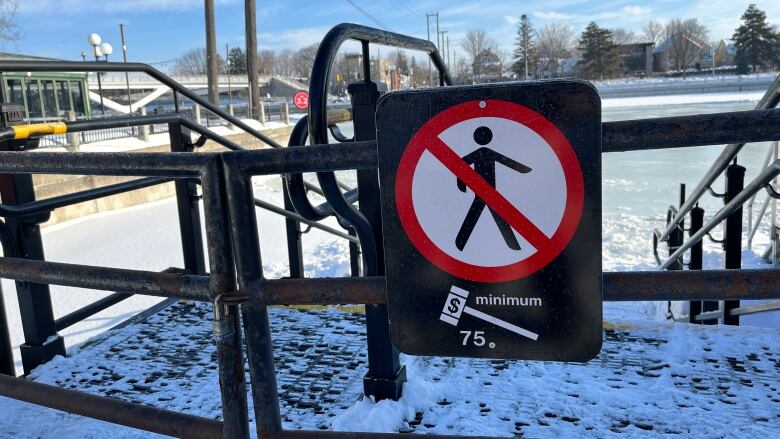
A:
[235,278]
[674,232]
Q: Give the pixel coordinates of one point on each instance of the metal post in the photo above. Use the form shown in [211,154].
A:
[677,237]
[7,366]
[285,113]
[196,114]
[354,255]
[187,202]
[735,181]
[227,325]
[386,375]
[100,90]
[127,77]
[230,85]
[773,216]
[143,132]
[428,28]
[252,66]
[294,242]
[212,67]
[73,138]
[696,258]
[248,264]
[41,341]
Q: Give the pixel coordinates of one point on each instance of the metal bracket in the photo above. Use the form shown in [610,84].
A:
[715,194]
[771,191]
[223,328]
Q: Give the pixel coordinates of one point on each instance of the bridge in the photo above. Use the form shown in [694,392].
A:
[145,90]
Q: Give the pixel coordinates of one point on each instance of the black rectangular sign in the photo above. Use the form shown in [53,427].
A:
[491,211]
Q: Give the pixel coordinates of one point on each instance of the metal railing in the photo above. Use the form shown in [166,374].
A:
[235,278]
[674,233]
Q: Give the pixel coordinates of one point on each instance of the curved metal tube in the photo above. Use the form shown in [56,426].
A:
[318,124]
[296,186]
[756,185]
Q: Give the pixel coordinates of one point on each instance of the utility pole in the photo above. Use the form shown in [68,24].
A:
[212,68]
[443,47]
[230,88]
[252,65]
[124,58]
[428,27]
[449,64]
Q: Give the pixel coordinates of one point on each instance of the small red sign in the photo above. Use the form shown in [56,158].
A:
[301,100]
[535,206]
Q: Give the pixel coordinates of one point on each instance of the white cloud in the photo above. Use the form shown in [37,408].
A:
[635,10]
[552,15]
[511,20]
[291,39]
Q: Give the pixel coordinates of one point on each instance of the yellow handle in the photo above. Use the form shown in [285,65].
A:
[39,129]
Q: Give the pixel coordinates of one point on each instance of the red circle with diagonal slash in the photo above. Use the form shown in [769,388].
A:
[301,100]
[427,139]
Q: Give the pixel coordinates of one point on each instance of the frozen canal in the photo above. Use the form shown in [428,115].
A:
[637,187]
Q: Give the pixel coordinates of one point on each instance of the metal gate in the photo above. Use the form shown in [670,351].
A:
[233,280]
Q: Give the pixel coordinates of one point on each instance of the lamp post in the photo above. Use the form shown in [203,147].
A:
[99,50]
[127,77]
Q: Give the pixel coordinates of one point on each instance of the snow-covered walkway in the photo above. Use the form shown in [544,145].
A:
[650,379]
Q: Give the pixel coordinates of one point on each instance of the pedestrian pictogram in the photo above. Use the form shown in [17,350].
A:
[484,161]
[491,219]
[489,190]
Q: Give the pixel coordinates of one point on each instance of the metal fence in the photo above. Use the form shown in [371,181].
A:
[272,111]
[233,279]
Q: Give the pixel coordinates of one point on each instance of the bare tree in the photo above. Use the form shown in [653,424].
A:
[653,31]
[303,60]
[475,42]
[685,41]
[555,43]
[9,30]
[622,36]
[193,63]
[267,60]
[284,63]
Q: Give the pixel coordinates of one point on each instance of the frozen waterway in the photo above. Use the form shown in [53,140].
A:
[637,188]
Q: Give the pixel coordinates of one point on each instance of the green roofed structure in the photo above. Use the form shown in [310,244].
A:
[44,95]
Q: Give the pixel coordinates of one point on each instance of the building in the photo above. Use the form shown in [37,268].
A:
[486,67]
[724,54]
[637,58]
[44,95]
[681,49]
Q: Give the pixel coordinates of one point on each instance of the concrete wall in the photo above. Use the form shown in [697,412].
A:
[50,185]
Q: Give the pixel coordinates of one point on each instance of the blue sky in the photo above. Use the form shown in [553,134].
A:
[159,30]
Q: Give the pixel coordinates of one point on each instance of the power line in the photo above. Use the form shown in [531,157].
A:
[367,15]
[409,8]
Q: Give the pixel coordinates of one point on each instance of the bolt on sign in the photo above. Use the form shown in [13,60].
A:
[491,210]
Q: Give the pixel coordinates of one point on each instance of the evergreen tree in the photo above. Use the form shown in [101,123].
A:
[742,64]
[237,60]
[755,39]
[525,50]
[600,56]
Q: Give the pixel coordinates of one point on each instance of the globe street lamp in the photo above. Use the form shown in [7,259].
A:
[99,50]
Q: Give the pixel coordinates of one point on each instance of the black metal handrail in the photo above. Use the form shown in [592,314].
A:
[758,184]
[769,100]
